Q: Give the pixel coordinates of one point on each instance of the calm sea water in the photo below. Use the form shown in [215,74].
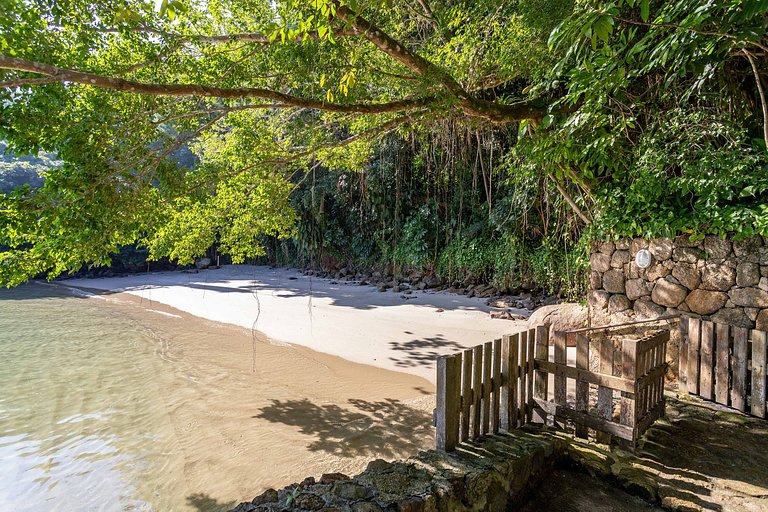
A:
[83,426]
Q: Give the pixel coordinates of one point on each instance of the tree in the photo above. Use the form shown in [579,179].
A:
[262,89]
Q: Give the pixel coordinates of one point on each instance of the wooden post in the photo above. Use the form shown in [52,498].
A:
[531,348]
[504,402]
[628,372]
[682,366]
[447,402]
[560,358]
[582,388]
[707,345]
[466,393]
[514,379]
[694,349]
[722,368]
[605,394]
[739,387]
[496,374]
[487,366]
[541,381]
[477,389]
[523,382]
[758,373]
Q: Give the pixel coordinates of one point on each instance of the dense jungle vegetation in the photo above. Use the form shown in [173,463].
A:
[487,140]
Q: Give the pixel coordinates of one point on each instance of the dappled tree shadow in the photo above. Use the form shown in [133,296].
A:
[423,351]
[387,428]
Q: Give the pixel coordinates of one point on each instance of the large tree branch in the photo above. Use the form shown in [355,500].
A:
[470,105]
[156,89]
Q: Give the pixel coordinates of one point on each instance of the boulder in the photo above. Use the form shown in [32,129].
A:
[636,288]
[717,248]
[560,317]
[747,247]
[661,248]
[705,302]
[613,281]
[686,254]
[636,244]
[747,274]
[656,271]
[749,297]
[732,316]
[761,324]
[763,283]
[618,303]
[718,277]
[606,248]
[666,293]
[645,309]
[687,274]
[600,262]
[598,299]
[595,280]
[619,259]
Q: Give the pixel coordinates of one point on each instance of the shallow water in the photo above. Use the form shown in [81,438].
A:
[82,422]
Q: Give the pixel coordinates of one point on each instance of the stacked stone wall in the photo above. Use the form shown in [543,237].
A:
[721,280]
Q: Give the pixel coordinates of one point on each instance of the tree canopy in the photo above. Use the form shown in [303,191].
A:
[624,104]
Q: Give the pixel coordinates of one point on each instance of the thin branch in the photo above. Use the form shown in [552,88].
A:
[247,37]
[761,92]
[157,89]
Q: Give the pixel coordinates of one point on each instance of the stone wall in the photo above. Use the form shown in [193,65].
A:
[721,280]
[487,475]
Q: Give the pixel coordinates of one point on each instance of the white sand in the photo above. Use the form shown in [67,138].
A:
[355,322]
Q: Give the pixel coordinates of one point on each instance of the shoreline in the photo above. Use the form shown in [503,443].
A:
[388,330]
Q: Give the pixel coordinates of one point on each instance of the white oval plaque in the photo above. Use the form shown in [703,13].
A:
[643,258]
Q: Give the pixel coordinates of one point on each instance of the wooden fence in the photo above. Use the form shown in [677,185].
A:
[505,383]
[724,364]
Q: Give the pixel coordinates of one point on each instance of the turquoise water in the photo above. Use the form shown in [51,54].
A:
[82,420]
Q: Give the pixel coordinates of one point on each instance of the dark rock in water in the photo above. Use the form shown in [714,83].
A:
[268,496]
[329,478]
[351,491]
[308,502]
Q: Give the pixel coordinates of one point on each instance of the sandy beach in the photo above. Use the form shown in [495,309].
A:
[392,331]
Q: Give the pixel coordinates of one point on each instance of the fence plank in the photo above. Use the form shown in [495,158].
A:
[739,387]
[529,369]
[466,393]
[477,389]
[682,366]
[523,381]
[582,388]
[628,371]
[505,381]
[722,360]
[487,354]
[447,402]
[758,373]
[541,380]
[514,379]
[496,372]
[560,358]
[705,377]
[605,394]
[694,349]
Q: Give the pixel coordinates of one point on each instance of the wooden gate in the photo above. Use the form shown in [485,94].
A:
[724,364]
[504,384]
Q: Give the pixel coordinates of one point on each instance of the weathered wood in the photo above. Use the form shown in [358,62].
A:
[694,355]
[629,372]
[514,379]
[505,382]
[722,360]
[487,376]
[616,429]
[682,367]
[599,379]
[739,365]
[560,381]
[758,394]
[523,378]
[529,370]
[477,389]
[582,387]
[447,402]
[496,373]
[604,393]
[706,383]
[541,380]
[466,393]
